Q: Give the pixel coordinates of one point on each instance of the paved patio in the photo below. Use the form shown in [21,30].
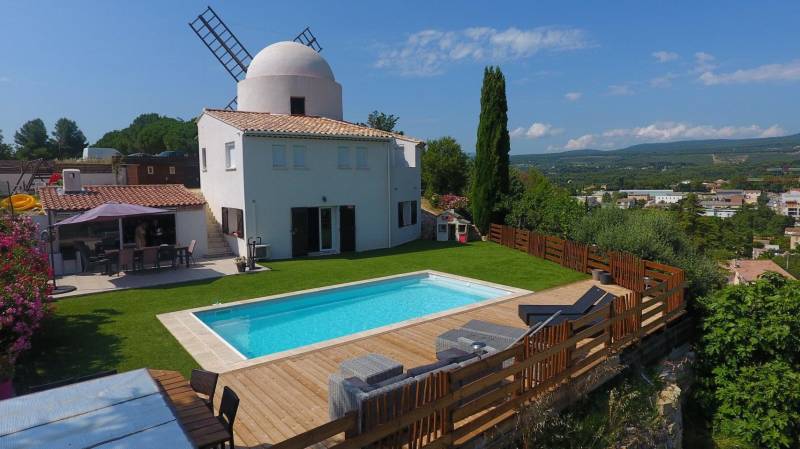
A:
[87,283]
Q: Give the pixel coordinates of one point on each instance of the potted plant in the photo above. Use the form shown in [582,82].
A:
[241,263]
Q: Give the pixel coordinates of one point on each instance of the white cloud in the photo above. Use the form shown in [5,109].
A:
[5,79]
[427,52]
[669,131]
[580,143]
[665,56]
[619,89]
[573,96]
[770,72]
[704,62]
[536,131]
[663,81]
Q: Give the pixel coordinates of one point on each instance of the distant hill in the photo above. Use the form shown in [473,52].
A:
[662,164]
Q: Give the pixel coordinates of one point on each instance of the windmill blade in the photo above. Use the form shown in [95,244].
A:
[233,105]
[306,37]
[222,43]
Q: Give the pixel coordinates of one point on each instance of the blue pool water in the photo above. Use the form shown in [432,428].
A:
[270,326]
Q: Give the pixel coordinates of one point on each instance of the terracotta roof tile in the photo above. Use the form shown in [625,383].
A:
[265,122]
[166,195]
[751,270]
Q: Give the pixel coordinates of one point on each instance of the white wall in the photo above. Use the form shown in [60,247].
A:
[190,224]
[406,184]
[221,187]
[272,94]
[272,192]
[88,179]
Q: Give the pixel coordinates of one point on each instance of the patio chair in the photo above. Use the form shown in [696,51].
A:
[228,407]
[149,257]
[189,252]
[204,383]
[125,261]
[89,262]
[167,253]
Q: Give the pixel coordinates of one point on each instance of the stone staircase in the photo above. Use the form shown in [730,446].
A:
[217,246]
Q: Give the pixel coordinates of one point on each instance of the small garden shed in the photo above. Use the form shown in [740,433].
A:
[450,225]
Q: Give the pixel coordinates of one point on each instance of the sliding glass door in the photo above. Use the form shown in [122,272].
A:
[325,228]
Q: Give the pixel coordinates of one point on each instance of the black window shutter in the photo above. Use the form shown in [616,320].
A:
[413,212]
[400,214]
[225,220]
[240,223]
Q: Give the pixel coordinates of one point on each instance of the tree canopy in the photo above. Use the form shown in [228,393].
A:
[31,140]
[445,168]
[382,121]
[490,179]
[6,152]
[535,203]
[152,133]
[67,139]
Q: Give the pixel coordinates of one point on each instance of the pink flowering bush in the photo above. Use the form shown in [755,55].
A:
[450,201]
[24,290]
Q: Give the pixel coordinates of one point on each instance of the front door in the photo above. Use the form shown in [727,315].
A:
[325,228]
[347,228]
[299,231]
[451,232]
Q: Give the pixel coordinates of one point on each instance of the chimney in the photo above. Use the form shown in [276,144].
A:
[72,180]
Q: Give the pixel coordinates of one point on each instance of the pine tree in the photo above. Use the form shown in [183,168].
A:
[490,180]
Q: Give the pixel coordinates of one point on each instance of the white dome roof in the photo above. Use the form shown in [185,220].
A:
[289,58]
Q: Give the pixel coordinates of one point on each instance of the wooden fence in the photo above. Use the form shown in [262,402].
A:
[447,408]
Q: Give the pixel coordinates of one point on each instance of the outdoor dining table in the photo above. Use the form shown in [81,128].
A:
[135,409]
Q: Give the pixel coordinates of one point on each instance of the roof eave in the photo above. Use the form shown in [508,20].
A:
[285,135]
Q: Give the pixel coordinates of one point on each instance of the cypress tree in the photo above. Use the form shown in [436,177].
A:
[490,178]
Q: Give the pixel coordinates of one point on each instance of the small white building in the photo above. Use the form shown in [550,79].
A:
[451,226]
[285,167]
[100,153]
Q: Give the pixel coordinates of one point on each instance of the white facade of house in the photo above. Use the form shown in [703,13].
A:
[668,197]
[275,177]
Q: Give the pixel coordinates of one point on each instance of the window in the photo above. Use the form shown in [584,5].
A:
[171,170]
[233,222]
[230,161]
[150,170]
[278,156]
[442,228]
[299,157]
[344,157]
[361,158]
[406,213]
[203,159]
[297,105]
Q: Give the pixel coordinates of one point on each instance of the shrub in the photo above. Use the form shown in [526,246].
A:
[24,272]
[750,352]
[650,234]
[450,201]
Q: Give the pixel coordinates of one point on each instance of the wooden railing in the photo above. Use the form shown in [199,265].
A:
[448,407]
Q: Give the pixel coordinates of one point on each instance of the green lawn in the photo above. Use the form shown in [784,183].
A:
[119,330]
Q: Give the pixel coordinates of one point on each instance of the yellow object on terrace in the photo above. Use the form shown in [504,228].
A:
[21,202]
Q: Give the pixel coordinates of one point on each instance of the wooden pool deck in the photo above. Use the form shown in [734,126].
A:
[285,397]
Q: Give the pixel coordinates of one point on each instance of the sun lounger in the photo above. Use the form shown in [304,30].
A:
[593,298]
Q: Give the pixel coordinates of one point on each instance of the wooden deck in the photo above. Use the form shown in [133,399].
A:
[285,397]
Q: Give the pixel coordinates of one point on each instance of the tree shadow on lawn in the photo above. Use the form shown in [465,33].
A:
[69,346]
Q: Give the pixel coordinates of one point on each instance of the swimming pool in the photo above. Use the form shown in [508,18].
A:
[269,326]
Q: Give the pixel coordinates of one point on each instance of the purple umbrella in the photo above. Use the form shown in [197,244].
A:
[111,211]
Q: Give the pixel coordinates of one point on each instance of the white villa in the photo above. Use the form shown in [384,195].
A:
[285,167]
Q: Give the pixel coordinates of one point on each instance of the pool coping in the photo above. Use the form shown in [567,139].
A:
[213,353]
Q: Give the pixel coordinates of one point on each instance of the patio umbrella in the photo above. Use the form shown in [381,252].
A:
[111,211]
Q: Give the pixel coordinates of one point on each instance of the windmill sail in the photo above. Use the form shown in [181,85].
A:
[223,44]
[306,37]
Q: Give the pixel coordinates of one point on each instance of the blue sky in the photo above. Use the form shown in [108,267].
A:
[579,74]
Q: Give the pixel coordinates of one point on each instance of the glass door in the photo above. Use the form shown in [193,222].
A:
[325,228]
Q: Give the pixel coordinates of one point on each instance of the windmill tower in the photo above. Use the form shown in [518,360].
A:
[229,51]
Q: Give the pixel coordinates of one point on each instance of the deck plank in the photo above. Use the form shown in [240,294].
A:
[282,398]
